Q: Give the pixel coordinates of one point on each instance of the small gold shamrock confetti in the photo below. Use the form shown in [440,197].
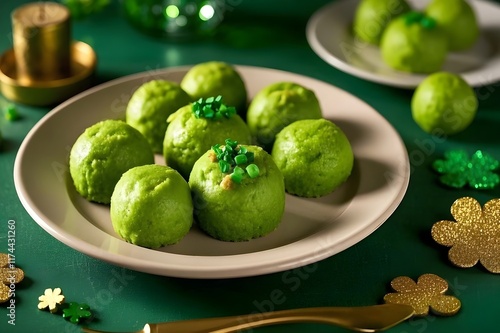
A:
[51,299]
[475,236]
[458,169]
[427,292]
[76,311]
[9,275]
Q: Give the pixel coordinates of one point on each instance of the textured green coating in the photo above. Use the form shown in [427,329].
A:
[188,137]
[251,209]
[315,157]
[102,154]
[215,78]
[458,20]
[277,106]
[412,47]
[372,17]
[444,103]
[150,106]
[151,206]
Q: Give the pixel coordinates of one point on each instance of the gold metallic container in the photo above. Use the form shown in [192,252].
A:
[42,41]
[44,67]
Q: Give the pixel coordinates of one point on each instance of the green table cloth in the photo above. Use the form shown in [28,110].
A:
[272,35]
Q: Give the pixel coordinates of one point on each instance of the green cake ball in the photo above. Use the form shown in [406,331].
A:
[277,106]
[151,206]
[458,20]
[444,103]
[102,153]
[414,43]
[150,106]
[245,201]
[215,78]
[372,17]
[314,156]
[192,131]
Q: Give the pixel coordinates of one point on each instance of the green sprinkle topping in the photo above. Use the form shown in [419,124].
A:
[212,108]
[420,18]
[232,159]
[11,113]
[253,170]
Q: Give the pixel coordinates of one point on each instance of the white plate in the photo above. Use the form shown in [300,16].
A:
[329,33]
[311,230]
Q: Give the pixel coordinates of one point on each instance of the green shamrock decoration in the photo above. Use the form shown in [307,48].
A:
[458,169]
[83,8]
[76,311]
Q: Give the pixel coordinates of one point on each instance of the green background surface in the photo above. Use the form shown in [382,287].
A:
[268,34]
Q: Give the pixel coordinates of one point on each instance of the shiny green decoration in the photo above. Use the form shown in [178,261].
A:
[76,312]
[83,8]
[420,18]
[232,157]
[212,108]
[11,113]
[458,169]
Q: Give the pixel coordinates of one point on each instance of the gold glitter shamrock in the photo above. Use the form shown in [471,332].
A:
[475,236]
[51,299]
[427,293]
[9,275]
[458,169]
[76,311]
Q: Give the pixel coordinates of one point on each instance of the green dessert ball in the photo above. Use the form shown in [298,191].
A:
[215,78]
[188,137]
[102,153]
[315,157]
[458,20]
[372,17]
[151,206]
[444,103]
[150,105]
[277,106]
[414,43]
[232,211]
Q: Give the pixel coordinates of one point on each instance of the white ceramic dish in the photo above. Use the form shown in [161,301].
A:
[329,33]
[312,229]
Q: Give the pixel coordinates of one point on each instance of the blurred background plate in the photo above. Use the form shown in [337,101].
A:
[329,33]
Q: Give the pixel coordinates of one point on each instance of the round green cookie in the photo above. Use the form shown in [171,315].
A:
[372,17]
[188,137]
[444,103]
[102,154]
[458,20]
[250,209]
[414,43]
[150,106]
[277,106]
[314,156]
[151,206]
[215,78]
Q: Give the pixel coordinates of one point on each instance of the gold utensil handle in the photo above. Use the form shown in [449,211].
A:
[362,319]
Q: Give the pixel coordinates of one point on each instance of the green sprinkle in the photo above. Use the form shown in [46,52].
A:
[224,166]
[243,150]
[240,159]
[253,170]
[11,113]
[231,143]
[250,156]
[237,175]
[212,108]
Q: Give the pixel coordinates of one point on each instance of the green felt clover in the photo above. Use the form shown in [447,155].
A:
[76,312]
[458,169]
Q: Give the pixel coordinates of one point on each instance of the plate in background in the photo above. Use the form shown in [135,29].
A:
[329,33]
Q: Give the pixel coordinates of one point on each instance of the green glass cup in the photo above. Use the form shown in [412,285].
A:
[175,18]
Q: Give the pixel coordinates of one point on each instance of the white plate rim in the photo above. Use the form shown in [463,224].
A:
[274,260]
[476,78]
